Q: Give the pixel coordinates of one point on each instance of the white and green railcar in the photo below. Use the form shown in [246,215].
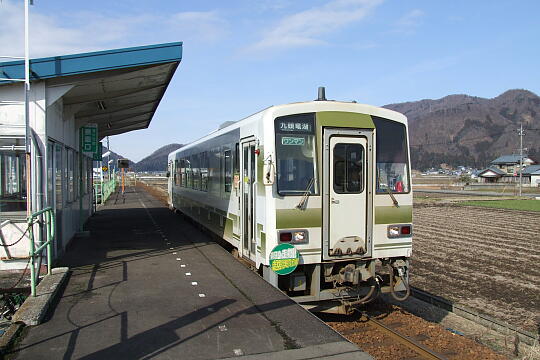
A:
[330,178]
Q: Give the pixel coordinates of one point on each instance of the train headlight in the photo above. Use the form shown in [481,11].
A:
[294,236]
[395,231]
[299,236]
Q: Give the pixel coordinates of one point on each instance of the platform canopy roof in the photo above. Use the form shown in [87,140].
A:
[119,90]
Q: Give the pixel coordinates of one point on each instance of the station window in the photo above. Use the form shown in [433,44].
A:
[60,174]
[227,170]
[90,170]
[12,182]
[88,174]
[50,173]
[84,173]
[69,167]
[76,175]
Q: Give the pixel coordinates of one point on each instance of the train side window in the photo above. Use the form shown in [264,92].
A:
[204,171]
[174,171]
[236,169]
[196,172]
[227,170]
[189,173]
[182,173]
[339,168]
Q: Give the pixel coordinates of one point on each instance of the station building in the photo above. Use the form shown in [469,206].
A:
[106,92]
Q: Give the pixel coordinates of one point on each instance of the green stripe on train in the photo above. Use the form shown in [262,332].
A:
[344,119]
[298,219]
[393,215]
[338,119]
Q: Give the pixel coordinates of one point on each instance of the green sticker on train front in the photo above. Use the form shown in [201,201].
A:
[284,259]
[293,141]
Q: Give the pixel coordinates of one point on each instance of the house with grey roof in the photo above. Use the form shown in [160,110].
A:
[532,172]
[535,178]
[506,169]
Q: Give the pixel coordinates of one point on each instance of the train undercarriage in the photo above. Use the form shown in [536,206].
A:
[341,286]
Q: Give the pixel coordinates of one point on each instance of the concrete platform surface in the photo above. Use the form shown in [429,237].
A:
[34,309]
[147,284]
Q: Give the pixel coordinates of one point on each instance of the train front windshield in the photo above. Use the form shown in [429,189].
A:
[295,153]
[392,157]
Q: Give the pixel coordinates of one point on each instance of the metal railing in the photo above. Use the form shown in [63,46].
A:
[45,219]
[104,189]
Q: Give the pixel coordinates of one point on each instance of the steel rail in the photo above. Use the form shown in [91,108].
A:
[405,340]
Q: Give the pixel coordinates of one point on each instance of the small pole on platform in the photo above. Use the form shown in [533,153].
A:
[28,157]
[122,180]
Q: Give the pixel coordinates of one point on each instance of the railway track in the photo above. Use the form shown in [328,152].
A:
[412,344]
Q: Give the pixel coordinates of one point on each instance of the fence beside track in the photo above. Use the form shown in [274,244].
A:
[502,327]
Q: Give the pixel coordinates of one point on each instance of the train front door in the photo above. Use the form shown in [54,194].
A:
[346,188]
[247,188]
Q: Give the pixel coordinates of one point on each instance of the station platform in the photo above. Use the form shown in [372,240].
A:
[148,284]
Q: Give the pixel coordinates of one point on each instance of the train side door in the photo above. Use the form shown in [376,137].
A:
[345,202]
[247,198]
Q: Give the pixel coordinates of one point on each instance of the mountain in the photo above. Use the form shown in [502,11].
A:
[157,161]
[469,130]
[456,129]
[113,156]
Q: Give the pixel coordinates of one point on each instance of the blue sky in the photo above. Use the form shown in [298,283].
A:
[241,56]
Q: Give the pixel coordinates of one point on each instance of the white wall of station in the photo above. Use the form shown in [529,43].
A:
[55,168]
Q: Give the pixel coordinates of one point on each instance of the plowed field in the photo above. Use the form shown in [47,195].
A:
[486,259]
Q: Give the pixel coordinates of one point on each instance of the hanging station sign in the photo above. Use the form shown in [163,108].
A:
[88,140]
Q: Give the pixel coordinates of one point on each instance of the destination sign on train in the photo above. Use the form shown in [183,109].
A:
[295,126]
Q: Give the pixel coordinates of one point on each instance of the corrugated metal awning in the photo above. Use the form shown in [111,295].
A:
[119,90]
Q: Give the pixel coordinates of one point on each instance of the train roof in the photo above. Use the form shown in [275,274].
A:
[302,107]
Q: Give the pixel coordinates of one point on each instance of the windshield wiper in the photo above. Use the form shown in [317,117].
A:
[303,201]
[394,200]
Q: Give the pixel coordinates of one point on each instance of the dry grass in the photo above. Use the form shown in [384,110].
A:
[533,353]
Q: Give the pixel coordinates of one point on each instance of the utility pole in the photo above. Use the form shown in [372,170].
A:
[521,134]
